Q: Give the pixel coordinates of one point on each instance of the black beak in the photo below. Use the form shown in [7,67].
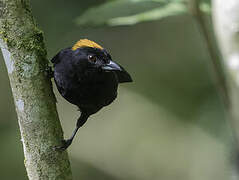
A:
[111,66]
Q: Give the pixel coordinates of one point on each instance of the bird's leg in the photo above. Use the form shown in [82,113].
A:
[80,122]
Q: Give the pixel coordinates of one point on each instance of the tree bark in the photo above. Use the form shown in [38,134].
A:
[25,57]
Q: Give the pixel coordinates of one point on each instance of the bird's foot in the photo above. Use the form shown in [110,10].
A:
[49,72]
[64,146]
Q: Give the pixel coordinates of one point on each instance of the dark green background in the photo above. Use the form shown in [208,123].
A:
[168,124]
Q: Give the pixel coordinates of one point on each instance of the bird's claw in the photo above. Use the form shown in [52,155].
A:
[64,146]
[49,72]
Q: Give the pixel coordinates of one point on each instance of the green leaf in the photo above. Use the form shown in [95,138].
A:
[155,14]
[103,14]
[130,12]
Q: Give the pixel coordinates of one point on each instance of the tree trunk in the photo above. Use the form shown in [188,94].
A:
[25,57]
[226,25]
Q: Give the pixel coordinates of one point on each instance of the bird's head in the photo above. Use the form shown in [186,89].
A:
[86,54]
[94,56]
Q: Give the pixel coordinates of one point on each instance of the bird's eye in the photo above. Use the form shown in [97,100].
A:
[92,58]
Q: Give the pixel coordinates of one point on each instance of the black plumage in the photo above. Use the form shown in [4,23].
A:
[86,76]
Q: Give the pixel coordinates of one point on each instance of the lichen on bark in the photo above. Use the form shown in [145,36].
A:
[24,53]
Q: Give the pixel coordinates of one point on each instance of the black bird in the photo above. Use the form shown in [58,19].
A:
[86,76]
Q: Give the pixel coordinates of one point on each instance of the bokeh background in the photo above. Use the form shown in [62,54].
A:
[168,124]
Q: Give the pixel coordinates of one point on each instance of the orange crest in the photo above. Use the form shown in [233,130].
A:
[85,43]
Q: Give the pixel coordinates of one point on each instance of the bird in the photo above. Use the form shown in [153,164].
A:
[86,76]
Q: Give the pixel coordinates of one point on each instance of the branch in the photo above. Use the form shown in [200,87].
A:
[25,57]
[194,8]
[226,25]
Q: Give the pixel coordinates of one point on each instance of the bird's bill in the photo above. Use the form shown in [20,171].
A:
[111,66]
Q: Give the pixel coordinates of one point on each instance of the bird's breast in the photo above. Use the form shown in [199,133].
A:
[94,90]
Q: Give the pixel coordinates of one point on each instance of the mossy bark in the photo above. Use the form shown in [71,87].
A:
[25,57]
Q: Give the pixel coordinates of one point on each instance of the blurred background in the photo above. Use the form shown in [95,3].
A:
[168,124]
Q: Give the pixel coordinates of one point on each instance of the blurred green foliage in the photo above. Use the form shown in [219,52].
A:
[168,124]
[130,12]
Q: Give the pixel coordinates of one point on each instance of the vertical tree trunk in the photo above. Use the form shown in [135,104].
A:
[226,25]
[215,63]
[25,57]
